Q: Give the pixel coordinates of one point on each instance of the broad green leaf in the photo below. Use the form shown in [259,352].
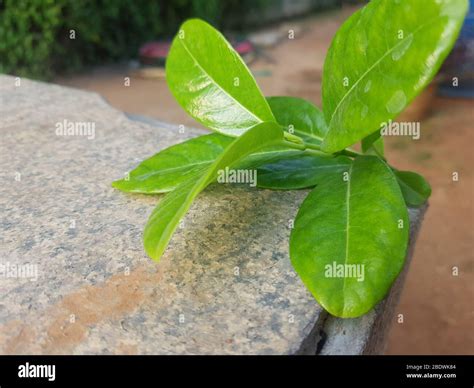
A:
[212,83]
[166,216]
[300,117]
[174,165]
[358,224]
[299,172]
[380,59]
[373,144]
[416,190]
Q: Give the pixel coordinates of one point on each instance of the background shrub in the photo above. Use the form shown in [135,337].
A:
[28,30]
[35,34]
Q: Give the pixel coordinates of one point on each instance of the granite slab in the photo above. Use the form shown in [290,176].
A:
[76,280]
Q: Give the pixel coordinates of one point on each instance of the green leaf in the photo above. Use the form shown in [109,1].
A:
[373,144]
[268,155]
[185,161]
[416,190]
[380,59]
[174,165]
[300,171]
[301,116]
[170,167]
[356,224]
[166,216]
[212,83]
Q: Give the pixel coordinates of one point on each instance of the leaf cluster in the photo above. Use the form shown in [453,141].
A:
[351,233]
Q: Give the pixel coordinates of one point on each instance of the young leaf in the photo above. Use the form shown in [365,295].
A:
[416,190]
[300,171]
[380,59]
[300,117]
[212,83]
[174,165]
[185,161]
[166,216]
[373,144]
[350,237]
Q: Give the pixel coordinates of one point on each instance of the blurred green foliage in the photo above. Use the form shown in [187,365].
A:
[28,30]
[35,35]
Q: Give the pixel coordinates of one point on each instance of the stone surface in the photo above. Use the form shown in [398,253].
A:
[224,286]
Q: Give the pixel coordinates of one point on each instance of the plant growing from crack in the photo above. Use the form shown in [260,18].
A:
[356,214]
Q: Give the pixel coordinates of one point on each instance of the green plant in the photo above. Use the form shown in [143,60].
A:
[356,217]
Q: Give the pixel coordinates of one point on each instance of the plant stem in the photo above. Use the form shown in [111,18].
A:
[348,152]
[296,146]
[313,147]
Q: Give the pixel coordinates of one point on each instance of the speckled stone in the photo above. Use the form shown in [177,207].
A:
[224,286]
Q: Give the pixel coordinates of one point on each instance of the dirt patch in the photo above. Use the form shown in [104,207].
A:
[67,323]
